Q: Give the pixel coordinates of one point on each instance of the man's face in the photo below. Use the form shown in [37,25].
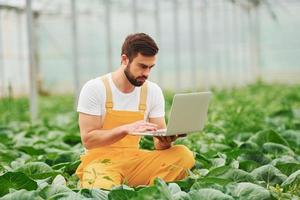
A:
[137,71]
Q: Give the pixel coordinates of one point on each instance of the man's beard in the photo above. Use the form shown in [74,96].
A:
[133,80]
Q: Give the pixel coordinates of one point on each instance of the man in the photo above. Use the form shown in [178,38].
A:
[120,103]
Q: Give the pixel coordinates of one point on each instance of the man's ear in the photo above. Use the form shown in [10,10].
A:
[124,60]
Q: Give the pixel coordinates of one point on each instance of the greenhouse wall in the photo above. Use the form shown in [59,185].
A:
[220,44]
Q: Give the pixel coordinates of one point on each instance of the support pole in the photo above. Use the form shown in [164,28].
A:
[32,64]
[75,52]
[135,15]
[204,51]
[20,50]
[257,46]
[194,77]
[2,69]
[255,42]
[108,35]
[219,64]
[176,46]
[158,39]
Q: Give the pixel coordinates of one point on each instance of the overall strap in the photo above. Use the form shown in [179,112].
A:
[143,97]
[108,102]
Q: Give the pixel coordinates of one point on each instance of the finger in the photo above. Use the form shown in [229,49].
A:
[147,127]
[140,122]
[166,139]
[161,139]
[144,129]
[150,124]
[146,124]
[150,128]
[174,137]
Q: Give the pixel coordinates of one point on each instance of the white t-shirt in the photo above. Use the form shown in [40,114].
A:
[93,96]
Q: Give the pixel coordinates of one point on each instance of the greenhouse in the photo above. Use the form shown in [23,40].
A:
[158,99]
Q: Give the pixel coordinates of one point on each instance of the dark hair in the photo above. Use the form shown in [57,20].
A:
[139,43]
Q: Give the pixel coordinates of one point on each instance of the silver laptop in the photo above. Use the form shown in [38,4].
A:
[187,115]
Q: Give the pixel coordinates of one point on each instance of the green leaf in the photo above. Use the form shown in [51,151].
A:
[31,150]
[186,183]
[37,170]
[60,156]
[15,180]
[255,156]
[163,188]
[220,181]
[22,194]
[269,174]
[218,170]
[284,159]
[59,180]
[205,162]
[176,192]
[278,193]
[210,182]
[71,167]
[121,194]
[288,168]
[7,156]
[249,146]
[276,149]
[233,174]
[209,194]
[248,165]
[72,139]
[94,194]
[122,187]
[264,136]
[292,137]
[248,191]
[148,193]
[218,162]
[219,147]
[181,196]
[292,180]
[58,192]
[174,188]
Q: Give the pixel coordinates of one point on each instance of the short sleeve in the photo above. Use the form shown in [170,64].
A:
[157,108]
[91,98]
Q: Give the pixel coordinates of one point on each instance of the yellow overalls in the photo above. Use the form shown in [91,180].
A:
[123,162]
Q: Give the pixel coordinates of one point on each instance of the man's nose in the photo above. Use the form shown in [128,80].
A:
[146,72]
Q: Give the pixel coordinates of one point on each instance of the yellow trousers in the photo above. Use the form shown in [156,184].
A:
[137,167]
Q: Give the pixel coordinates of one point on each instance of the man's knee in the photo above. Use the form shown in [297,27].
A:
[185,155]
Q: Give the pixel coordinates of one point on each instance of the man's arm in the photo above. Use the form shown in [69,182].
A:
[161,143]
[92,136]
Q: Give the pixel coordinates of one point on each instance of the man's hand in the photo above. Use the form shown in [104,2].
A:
[139,127]
[165,142]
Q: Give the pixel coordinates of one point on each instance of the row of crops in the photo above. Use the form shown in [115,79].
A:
[249,149]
